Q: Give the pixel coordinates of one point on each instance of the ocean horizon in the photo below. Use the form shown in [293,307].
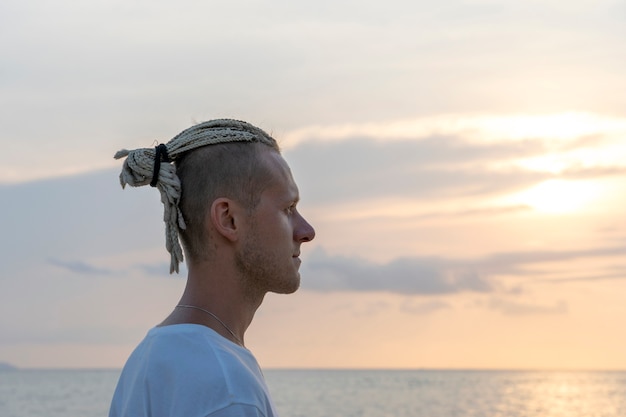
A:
[306,392]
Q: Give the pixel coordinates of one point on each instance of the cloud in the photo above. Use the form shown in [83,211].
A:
[80,267]
[537,265]
[50,332]
[511,308]
[90,214]
[358,169]
[580,172]
[404,276]
[376,65]
[86,215]
[517,262]
[162,269]
[437,275]
[606,273]
[480,211]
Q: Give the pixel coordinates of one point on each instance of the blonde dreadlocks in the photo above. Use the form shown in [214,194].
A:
[158,167]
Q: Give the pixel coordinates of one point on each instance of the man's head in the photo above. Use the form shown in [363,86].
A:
[267,256]
[232,170]
[219,158]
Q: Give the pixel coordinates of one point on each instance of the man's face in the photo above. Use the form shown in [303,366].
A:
[269,254]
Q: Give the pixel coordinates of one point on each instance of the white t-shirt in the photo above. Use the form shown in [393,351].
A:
[189,370]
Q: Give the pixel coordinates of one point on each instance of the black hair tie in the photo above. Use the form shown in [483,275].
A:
[161,153]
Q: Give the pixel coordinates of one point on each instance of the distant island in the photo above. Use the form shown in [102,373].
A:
[7,367]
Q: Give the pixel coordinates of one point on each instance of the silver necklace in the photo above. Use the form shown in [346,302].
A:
[239,342]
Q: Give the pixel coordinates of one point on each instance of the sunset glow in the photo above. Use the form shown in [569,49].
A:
[463,164]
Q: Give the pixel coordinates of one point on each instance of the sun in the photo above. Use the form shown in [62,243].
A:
[559,196]
[560,126]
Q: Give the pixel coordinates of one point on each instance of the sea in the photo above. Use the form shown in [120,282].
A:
[352,393]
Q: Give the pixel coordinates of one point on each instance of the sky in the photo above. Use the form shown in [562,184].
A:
[463,163]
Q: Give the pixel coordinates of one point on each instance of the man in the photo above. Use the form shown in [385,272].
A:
[232,198]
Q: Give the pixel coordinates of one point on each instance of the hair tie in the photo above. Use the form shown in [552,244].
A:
[161,152]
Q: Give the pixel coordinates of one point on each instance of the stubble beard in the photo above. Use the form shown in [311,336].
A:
[262,271]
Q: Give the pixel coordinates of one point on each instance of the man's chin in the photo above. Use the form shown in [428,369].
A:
[290,287]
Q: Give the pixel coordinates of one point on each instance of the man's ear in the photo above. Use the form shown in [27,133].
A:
[224,216]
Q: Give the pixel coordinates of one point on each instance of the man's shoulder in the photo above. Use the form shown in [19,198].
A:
[188,368]
[184,349]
